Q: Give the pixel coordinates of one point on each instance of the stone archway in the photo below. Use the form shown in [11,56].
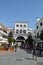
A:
[20,40]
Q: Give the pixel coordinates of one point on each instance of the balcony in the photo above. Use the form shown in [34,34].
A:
[3,33]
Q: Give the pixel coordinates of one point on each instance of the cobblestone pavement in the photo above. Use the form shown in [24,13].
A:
[21,57]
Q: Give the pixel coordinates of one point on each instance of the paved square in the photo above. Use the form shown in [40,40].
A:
[21,57]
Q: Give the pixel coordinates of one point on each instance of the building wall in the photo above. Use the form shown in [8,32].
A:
[21,26]
[39,26]
[3,30]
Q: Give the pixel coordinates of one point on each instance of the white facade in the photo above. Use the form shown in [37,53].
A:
[4,31]
[3,34]
[21,29]
[39,26]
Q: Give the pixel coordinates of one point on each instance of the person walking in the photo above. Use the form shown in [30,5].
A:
[34,53]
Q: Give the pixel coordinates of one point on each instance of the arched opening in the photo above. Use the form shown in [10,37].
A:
[20,40]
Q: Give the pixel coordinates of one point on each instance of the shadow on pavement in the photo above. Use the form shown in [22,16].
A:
[28,51]
[28,58]
[40,63]
[18,59]
[38,55]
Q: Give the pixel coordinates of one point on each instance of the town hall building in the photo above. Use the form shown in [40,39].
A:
[21,30]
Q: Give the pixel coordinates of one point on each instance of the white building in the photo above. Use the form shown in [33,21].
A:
[21,29]
[4,34]
[39,26]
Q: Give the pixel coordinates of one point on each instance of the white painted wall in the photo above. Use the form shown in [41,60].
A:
[21,28]
[39,27]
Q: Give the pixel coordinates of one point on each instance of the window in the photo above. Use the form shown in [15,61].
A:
[24,31]
[20,25]
[17,31]
[20,31]
[37,27]
[24,25]
[17,25]
[41,24]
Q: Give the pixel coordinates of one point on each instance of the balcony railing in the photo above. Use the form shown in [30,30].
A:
[3,33]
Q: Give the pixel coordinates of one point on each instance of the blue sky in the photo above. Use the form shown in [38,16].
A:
[20,10]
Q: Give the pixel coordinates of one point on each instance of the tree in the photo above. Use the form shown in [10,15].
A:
[30,39]
[41,35]
[10,37]
[14,40]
